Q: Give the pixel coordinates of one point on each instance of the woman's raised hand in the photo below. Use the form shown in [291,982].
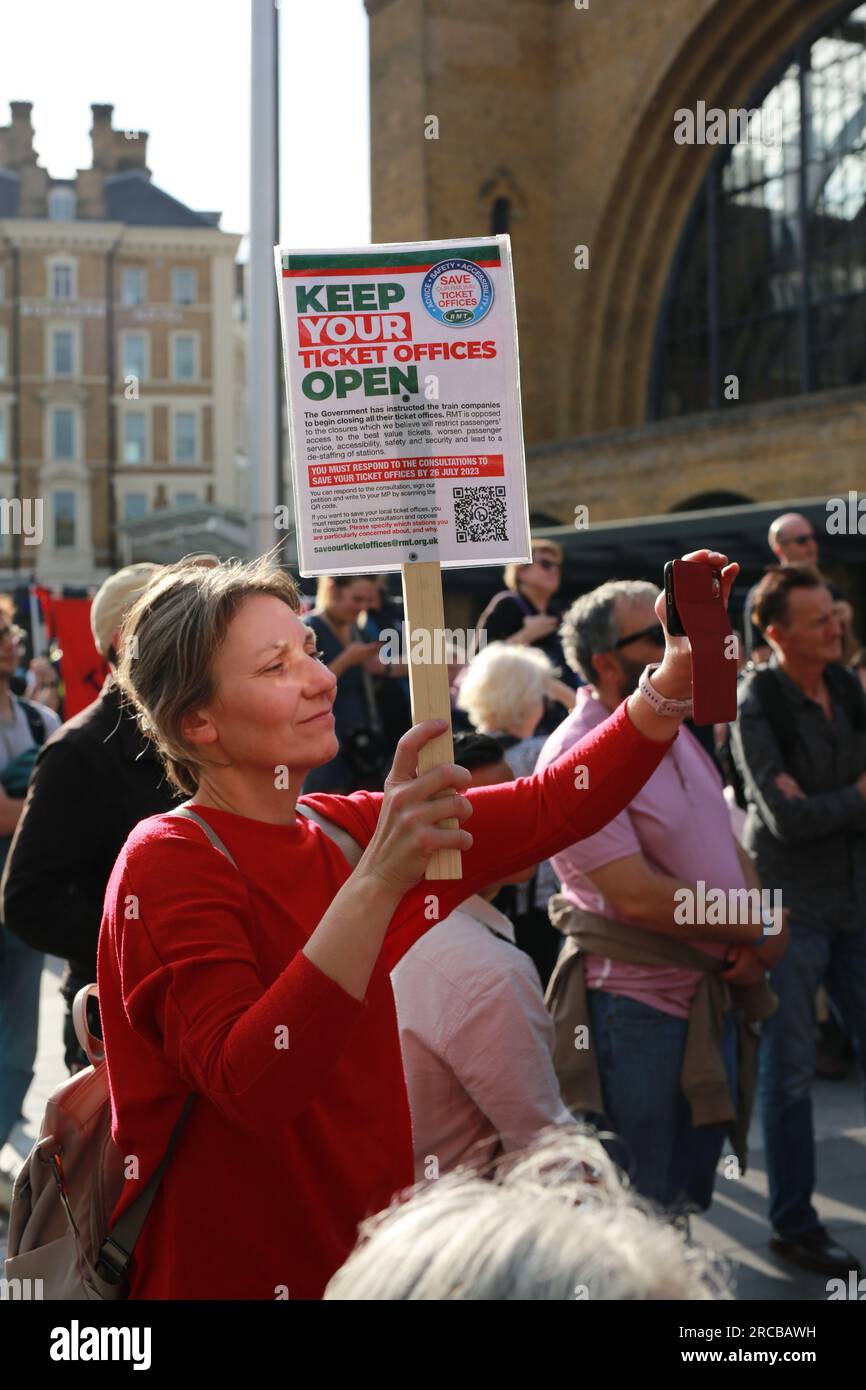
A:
[357,653]
[408,833]
[674,678]
[537,626]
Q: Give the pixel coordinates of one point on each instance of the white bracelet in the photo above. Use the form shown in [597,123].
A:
[675,709]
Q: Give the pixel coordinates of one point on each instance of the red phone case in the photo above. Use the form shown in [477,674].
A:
[705,619]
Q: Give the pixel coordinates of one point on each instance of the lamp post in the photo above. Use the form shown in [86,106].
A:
[264,366]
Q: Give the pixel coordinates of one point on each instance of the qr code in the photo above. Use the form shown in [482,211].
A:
[480,513]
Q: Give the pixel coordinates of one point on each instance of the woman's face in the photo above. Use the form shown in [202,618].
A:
[349,602]
[544,573]
[273,698]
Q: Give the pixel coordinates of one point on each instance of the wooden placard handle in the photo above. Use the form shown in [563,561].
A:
[428,683]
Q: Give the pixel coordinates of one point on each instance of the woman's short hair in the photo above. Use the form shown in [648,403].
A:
[502,683]
[511,573]
[557,1223]
[169,640]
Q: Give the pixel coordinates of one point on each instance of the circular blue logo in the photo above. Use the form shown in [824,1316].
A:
[457,293]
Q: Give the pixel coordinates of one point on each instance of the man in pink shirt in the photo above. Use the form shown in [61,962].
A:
[477,1041]
[674,834]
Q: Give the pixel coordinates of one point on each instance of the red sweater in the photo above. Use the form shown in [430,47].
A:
[201,971]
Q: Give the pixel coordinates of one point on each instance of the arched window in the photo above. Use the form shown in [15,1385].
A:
[767,295]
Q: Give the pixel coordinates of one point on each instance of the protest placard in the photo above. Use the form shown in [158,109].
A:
[405,424]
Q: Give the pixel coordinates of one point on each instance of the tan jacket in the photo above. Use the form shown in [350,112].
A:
[704,1079]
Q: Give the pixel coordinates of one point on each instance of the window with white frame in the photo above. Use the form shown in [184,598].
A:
[186,436]
[4,342]
[184,289]
[184,366]
[185,499]
[61,205]
[63,352]
[62,433]
[134,436]
[134,505]
[64,520]
[62,280]
[133,285]
[134,355]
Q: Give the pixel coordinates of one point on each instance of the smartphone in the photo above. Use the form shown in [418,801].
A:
[673,622]
[695,608]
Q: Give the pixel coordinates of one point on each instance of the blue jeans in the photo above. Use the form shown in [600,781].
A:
[639,1051]
[20,979]
[838,961]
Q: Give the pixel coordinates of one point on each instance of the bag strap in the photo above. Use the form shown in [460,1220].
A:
[843,683]
[776,710]
[341,838]
[352,851]
[186,813]
[118,1247]
[35,722]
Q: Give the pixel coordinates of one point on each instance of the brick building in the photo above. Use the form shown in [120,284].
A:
[119,353]
[707,348]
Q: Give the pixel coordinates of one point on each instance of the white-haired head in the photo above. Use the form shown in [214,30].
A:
[503,686]
[556,1223]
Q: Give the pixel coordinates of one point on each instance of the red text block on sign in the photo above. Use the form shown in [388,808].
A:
[406,470]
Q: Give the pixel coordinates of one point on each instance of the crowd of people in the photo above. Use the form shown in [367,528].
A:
[517,1084]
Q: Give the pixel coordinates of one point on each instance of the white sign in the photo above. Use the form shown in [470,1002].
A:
[404,405]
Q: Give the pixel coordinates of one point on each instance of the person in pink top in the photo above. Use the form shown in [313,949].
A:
[675,833]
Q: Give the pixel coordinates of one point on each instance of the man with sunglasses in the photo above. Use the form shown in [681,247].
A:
[638,1000]
[793,541]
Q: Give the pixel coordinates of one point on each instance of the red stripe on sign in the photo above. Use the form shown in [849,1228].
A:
[407,469]
[379,270]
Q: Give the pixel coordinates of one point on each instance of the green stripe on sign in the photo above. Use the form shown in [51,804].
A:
[393,258]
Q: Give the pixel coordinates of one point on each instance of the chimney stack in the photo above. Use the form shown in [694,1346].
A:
[16,139]
[116,150]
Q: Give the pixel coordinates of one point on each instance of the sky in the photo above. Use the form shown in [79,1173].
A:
[179,69]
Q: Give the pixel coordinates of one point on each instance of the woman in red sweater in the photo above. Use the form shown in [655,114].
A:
[262,988]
